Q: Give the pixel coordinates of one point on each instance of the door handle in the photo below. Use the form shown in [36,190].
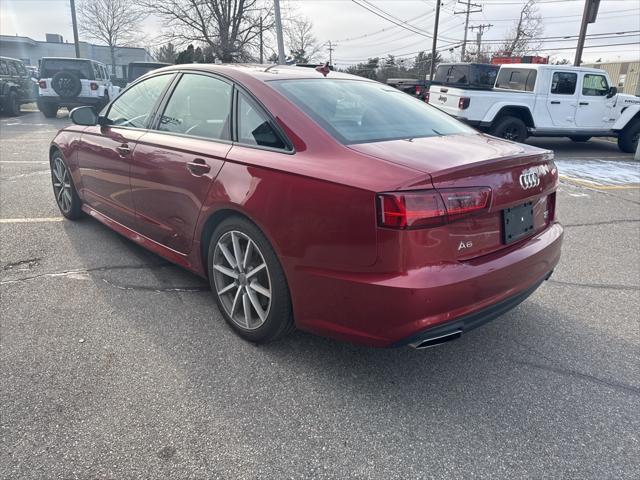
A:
[584,103]
[123,150]
[555,102]
[198,167]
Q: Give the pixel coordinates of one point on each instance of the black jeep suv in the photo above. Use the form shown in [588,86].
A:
[16,86]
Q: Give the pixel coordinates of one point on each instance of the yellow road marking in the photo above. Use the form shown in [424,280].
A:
[597,186]
[31,220]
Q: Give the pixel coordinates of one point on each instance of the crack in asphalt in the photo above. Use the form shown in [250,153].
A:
[29,263]
[604,222]
[144,288]
[584,376]
[596,285]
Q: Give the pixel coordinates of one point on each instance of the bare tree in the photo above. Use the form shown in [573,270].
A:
[116,23]
[302,44]
[230,27]
[523,36]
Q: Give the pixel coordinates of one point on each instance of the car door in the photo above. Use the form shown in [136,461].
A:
[175,162]
[594,108]
[106,151]
[562,100]
[25,84]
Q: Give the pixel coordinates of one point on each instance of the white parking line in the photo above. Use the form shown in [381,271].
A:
[31,220]
[39,162]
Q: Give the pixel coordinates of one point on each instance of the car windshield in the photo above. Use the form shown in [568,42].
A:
[360,112]
[81,68]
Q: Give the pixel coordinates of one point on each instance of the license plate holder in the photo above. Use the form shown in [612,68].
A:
[517,222]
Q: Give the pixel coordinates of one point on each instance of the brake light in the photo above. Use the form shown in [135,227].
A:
[431,208]
[94,86]
[426,97]
[418,89]
[463,103]
[42,84]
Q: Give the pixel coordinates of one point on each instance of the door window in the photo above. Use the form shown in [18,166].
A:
[135,105]
[595,85]
[200,106]
[4,69]
[254,128]
[12,68]
[522,79]
[564,83]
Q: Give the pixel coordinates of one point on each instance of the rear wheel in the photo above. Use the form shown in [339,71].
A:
[628,138]
[510,128]
[49,110]
[12,105]
[580,138]
[64,189]
[248,282]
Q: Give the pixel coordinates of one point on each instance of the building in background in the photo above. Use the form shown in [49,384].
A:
[626,74]
[31,51]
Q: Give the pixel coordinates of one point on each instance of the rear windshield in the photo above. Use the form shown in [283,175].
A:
[82,68]
[452,74]
[523,79]
[137,70]
[355,111]
[471,75]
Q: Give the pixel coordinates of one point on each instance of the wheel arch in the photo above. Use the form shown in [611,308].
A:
[519,111]
[629,115]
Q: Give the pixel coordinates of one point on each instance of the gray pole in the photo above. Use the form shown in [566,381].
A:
[276,4]
[435,41]
[466,27]
[583,33]
[261,44]
[75,28]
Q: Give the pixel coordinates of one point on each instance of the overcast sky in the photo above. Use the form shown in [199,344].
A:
[360,34]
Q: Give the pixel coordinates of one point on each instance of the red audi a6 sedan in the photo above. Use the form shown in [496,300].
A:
[334,204]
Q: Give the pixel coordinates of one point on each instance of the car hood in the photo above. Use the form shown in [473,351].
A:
[446,153]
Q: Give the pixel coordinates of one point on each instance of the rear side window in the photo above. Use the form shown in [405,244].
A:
[12,68]
[135,105]
[595,85]
[254,128]
[564,83]
[485,75]
[81,68]
[523,79]
[200,106]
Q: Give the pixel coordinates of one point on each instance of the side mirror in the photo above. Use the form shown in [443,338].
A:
[85,116]
[612,92]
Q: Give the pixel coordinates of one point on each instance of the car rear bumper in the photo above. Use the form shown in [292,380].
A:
[411,307]
[71,102]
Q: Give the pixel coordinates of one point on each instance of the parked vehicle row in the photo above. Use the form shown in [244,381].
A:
[16,86]
[546,100]
[329,203]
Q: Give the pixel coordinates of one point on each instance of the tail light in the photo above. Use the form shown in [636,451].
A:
[42,84]
[94,86]
[430,208]
[463,103]
[551,208]
[418,90]
[426,97]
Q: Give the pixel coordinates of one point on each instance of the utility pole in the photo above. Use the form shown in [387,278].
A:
[74,22]
[588,16]
[481,29]
[432,67]
[331,49]
[261,45]
[467,12]
[276,4]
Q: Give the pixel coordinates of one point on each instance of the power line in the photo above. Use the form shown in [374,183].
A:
[467,12]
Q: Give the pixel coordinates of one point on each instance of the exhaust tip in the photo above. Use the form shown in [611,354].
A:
[435,341]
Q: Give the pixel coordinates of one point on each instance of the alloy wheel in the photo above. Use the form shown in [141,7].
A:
[62,184]
[242,280]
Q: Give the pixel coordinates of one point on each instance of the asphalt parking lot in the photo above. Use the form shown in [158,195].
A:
[115,364]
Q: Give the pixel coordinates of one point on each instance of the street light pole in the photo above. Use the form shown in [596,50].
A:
[276,5]
[588,16]
[435,41]
[74,23]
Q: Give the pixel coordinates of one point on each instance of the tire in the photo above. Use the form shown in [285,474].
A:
[237,289]
[64,190]
[510,128]
[49,110]
[12,105]
[580,139]
[66,84]
[628,137]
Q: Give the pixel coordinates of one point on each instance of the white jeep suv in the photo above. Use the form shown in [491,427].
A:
[73,82]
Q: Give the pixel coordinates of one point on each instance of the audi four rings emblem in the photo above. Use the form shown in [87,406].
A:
[529,180]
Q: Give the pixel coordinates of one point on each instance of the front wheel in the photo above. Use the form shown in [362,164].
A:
[63,188]
[12,107]
[628,138]
[248,282]
[49,110]
[510,128]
